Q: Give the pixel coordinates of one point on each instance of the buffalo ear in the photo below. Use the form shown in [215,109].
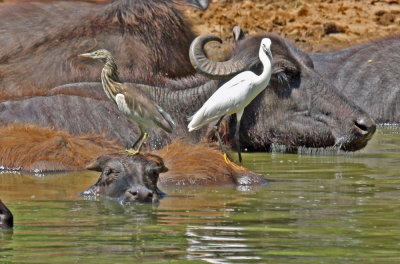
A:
[95,166]
[155,167]
[156,164]
[199,4]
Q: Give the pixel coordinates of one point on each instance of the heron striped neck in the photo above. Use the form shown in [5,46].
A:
[110,78]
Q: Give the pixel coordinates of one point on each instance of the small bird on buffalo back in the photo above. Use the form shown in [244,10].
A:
[131,101]
[234,96]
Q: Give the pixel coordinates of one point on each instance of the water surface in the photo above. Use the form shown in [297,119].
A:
[325,208]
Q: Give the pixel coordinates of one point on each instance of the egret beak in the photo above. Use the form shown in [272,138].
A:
[267,51]
[269,54]
[86,55]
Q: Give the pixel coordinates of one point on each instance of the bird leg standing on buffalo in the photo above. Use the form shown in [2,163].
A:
[237,129]
[142,138]
[227,157]
[216,128]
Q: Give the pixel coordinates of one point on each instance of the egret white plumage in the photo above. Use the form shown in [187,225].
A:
[235,95]
[130,100]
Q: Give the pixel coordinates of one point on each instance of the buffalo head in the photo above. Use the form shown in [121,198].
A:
[6,217]
[128,179]
[298,108]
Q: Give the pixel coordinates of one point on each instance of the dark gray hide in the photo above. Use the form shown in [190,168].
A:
[368,74]
[298,108]
[128,179]
[148,37]
[6,217]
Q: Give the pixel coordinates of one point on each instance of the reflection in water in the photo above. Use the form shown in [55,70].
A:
[218,244]
[331,208]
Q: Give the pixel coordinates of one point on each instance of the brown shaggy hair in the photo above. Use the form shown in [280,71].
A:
[48,149]
[200,164]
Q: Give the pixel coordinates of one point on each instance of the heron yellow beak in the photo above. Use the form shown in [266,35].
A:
[86,55]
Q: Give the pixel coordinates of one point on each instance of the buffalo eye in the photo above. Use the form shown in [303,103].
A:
[285,73]
[291,72]
[109,175]
[107,171]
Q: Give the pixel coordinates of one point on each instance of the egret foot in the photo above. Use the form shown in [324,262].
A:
[228,159]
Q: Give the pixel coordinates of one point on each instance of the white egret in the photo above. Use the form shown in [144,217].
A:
[235,95]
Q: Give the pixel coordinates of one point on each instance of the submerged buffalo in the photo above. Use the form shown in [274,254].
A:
[368,74]
[128,179]
[298,108]
[6,217]
[147,37]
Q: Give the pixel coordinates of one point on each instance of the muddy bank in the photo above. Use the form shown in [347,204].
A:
[311,24]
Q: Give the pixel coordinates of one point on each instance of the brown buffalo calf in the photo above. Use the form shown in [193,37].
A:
[48,149]
[202,165]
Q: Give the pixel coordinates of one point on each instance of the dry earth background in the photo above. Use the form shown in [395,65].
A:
[312,25]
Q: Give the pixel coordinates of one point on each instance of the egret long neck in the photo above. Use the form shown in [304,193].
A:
[110,78]
[265,76]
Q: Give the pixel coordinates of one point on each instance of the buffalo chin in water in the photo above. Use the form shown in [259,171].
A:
[128,179]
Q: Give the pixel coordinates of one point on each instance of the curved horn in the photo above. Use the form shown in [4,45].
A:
[199,4]
[212,69]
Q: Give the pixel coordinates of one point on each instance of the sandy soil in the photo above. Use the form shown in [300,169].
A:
[313,25]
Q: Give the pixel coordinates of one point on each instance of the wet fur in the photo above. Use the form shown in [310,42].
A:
[54,150]
[48,149]
[201,164]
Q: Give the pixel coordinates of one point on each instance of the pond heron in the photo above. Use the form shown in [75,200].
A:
[130,100]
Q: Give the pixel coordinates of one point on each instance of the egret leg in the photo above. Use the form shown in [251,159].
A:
[227,157]
[237,140]
[216,127]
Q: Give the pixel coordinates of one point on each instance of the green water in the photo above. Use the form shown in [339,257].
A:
[325,208]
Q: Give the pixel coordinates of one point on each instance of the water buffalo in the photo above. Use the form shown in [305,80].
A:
[128,179]
[368,74]
[135,178]
[147,37]
[6,217]
[51,150]
[298,108]
[31,148]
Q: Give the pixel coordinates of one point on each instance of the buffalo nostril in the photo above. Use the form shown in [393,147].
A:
[150,195]
[365,124]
